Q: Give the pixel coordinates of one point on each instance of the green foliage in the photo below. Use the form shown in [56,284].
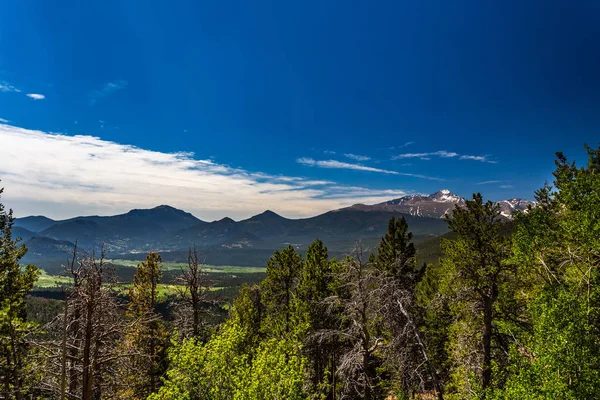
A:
[16,372]
[395,252]
[475,276]
[283,270]
[146,337]
[213,371]
[435,318]
[317,283]
[557,248]
[277,372]
[228,368]
[561,359]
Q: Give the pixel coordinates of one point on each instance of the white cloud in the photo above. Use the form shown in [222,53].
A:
[506,186]
[62,176]
[479,158]
[334,164]
[487,182]
[341,165]
[443,154]
[357,157]
[4,121]
[7,87]
[401,146]
[106,90]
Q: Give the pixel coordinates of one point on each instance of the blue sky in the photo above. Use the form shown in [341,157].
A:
[429,95]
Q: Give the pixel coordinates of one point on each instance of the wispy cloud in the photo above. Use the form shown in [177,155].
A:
[106,90]
[63,176]
[357,157]
[341,165]
[4,121]
[7,87]
[329,152]
[479,158]
[487,182]
[443,154]
[334,164]
[506,186]
[401,146]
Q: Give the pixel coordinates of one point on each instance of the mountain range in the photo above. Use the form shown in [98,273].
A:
[167,229]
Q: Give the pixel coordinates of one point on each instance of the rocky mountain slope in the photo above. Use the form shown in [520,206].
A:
[437,205]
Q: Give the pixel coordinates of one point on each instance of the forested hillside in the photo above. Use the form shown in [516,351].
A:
[494,309]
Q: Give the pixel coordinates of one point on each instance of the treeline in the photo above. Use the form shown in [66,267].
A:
[511,312]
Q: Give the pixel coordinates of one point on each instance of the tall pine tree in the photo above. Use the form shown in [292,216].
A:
[15,283]
[477,272]
[396,252]
[147,334]
[283,270]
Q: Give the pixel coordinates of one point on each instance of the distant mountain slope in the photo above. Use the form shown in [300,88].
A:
[48,253]
[269,230]
[509,207]
[437,205]
[136,229]
[168,229]
[24,234]
[35,223]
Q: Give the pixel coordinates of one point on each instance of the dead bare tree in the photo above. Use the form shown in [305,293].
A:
[193,288]
[405,351]
[359,307]
[85,354]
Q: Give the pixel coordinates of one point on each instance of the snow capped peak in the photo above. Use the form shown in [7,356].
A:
[446,196]
[441,203]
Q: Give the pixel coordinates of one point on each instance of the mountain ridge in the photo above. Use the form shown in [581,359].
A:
[437,205]
[165,228]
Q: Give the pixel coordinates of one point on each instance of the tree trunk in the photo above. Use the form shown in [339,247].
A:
[487,343]
[73,352]
[432,372]
[63,362]
[87,348]
[196,312]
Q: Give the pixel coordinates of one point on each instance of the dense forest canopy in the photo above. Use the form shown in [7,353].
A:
[510,311]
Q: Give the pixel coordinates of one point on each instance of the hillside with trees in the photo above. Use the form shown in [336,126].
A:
[510,310]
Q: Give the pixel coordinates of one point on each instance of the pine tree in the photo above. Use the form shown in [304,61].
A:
[283,270]
[396,252]
[477,272]
[147,335]
[406,352]
[316,284]
[556,246]
[15,283]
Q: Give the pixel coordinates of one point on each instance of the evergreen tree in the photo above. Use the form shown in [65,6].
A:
[147,335]
[316,284]
[556,246]
[476,275]
[249,312]
[283,270]
[15,282]
[396,252]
